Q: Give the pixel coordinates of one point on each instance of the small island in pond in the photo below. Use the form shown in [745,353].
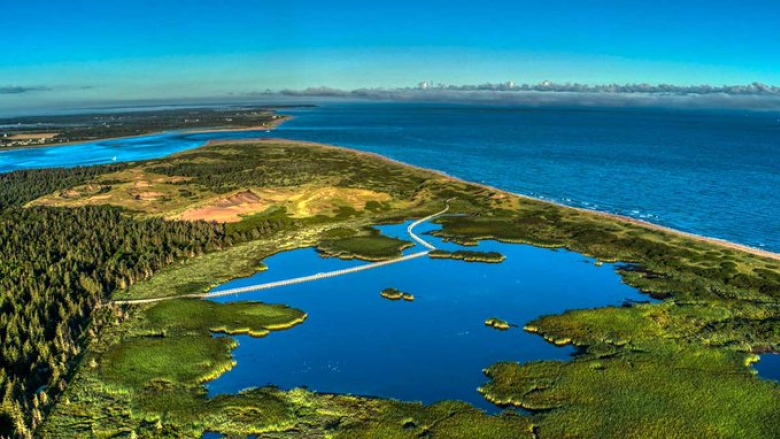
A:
[393,294]
[365,248]
[469,256]
[497,323]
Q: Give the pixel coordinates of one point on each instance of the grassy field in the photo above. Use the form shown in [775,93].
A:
[227,184]
[673,369]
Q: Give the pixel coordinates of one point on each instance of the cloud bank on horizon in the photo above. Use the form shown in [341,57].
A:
[17,89]
[751,97]
[756,96]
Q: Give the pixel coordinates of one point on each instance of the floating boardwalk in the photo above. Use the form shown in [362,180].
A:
[313,278]
[310,278]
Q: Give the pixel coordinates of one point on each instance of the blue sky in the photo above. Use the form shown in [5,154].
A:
[80,50]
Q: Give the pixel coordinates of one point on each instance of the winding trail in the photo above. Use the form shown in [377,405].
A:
[311,278]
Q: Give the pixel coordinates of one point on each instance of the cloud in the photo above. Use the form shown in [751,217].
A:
[325,92]
[16,89]
[733,98]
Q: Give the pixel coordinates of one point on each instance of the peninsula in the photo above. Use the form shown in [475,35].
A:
[207,216]
[38,131]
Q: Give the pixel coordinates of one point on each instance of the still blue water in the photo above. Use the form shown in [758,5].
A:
[123,150]
[714,174]
[769,367]
[432,349]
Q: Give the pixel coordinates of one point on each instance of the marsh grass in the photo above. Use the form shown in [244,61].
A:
[231,318]
[177,359]
[469,256]
[667,391]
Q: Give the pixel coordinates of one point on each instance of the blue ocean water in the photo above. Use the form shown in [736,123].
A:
[431,349]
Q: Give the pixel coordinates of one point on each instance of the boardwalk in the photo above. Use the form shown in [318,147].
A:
[311,278]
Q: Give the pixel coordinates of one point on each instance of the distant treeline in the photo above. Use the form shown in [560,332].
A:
[57,266]
[80,127]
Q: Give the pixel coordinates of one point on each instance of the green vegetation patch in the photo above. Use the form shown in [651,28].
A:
[171,340]
[468,256]
[139,361]
[394,294]
[496,323]
[520,228]
[668,264]
[69,262]
[452,420]
[673,392]
[263,223]
[20,187]
[741,326]
[199,275]
[230,318]
[367,248]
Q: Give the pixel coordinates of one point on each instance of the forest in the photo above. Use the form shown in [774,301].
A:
[21,187]
[57,266]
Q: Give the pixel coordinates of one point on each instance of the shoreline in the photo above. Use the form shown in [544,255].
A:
[620,218]
[283,119]
[275,123]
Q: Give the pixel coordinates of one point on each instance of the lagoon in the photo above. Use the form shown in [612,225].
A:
[428,350]
[115,150]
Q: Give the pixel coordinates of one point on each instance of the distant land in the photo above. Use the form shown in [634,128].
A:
[34,131]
